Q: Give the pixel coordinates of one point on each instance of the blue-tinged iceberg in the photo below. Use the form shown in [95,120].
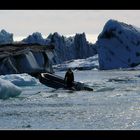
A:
[5,37]
[36,38]
[118,46]
[66,48]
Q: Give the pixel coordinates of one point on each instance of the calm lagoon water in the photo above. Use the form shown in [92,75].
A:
[113,105]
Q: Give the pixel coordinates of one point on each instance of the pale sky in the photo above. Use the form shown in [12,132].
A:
[65,22]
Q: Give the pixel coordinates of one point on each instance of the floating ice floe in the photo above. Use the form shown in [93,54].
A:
[79,64]
[8,89]
[21,79]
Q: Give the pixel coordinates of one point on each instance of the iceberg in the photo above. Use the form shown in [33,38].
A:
[68,48]
[79,64]
[118,46]
[33,54]
[8,89]
[36,38]
[25,58]
[5,37]
[21,79]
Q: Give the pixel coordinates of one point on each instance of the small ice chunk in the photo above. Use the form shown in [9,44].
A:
[8,89]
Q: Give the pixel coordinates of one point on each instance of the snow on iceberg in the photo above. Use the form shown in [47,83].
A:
[79,64]
[21,79]
[118,46]
[5,37]
[8,89]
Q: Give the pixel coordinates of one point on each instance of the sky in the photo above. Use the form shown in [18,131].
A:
[66,22]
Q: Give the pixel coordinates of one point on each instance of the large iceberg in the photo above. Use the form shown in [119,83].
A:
[118,46]
[76,47]
[5,37]
[19,57]
[66,48]
[7,89]
[25,58]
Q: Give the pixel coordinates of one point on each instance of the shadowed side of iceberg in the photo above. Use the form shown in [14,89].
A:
[25,58]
